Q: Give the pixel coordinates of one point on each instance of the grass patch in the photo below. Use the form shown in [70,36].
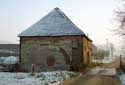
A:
[92,65]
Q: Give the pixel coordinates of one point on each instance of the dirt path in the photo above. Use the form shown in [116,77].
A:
[114,64]
[95,79]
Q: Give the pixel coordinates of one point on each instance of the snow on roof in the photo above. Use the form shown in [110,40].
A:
[56,23]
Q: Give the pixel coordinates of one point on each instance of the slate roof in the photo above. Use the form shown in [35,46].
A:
[56,23]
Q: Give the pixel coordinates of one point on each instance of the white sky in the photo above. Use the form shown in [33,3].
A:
[94,17]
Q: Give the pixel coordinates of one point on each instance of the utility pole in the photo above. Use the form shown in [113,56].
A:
[107,40]
[107,50]
[111,50]
[121,66]
[107,43]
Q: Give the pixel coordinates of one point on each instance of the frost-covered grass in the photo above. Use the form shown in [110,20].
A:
[43,78]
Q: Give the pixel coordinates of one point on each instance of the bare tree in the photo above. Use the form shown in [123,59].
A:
[120,14]
[101,52]
[120,17]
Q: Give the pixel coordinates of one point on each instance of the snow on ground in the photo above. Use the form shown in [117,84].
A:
[122,78]
[9,60]
[103,71]
[43,78]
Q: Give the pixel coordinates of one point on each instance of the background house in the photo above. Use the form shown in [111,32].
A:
[9,50]
[54,43]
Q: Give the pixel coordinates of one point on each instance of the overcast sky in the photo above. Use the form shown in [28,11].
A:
[94,17]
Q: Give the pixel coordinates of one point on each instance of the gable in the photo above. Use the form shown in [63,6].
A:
[56,23]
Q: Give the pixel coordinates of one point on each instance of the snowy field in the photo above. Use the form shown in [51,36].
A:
[9,60]
[43,78]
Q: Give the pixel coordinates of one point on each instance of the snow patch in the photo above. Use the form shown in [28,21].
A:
[43,78]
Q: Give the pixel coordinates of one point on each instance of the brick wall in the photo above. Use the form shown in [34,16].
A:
[51,53]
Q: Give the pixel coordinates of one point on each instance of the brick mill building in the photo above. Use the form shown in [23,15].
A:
[54,43]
